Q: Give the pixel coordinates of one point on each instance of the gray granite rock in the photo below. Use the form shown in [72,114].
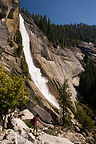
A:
[3,35]
[3,9]
[55,63]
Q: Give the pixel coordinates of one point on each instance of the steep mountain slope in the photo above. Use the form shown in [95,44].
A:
[55,63]
[9,23]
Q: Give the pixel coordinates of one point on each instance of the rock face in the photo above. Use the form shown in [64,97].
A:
[3,36]
[88,48]
[36,109]
[8,21]
[3,9]
[22,135]
[55,63]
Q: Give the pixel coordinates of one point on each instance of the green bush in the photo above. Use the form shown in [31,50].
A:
[24,66]
[88,122]
[84,119]
[28,123]
[19,50]
[89,111]
[10,42]
[39,100]
[68,122]
[18,40]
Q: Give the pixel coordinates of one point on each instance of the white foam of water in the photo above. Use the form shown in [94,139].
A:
[35,73]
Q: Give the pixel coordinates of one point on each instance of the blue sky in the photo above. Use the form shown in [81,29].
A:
[64,11]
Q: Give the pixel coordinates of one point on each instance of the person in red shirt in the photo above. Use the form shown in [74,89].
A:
[35,123]
[10,124]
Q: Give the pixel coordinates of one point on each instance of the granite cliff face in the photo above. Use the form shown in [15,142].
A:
[55,63]
[8,20]
[9,23]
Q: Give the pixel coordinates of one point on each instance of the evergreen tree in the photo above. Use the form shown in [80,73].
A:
[22,10]
[26,11]
[45,24]
[36,19]
[18,40]
[65,99]
[87,85]
[67,35]
[12,91]
[41,23]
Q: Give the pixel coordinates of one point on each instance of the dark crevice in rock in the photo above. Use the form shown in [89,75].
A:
[10,16]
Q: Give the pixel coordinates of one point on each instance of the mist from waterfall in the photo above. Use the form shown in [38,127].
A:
[36,75]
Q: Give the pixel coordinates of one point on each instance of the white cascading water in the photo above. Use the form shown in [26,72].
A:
[35,73]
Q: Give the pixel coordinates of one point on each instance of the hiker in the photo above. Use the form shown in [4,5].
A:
[35,121]
[9,124]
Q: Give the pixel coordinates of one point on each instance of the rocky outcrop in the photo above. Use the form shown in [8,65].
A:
[88,49]
[7,8]
[8,21]
[3,9]
[12,20]
[3,36]
[55,63]
[36,109]
[22,134]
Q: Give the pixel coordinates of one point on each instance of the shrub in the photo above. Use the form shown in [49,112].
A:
[68,122]
[84,119]
[88,122]
[19,50]
[88,110]
[24,66]
[10,42]
[18,40]
[38,99]
[28,123]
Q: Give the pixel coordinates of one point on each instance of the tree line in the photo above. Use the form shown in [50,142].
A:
[87,86]
[67,35]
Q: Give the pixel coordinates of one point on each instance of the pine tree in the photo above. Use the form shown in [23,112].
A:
[45,24]
[36,20]
[22,9]
[65,99]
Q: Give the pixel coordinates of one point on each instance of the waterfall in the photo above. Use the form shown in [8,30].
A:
[35,72]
